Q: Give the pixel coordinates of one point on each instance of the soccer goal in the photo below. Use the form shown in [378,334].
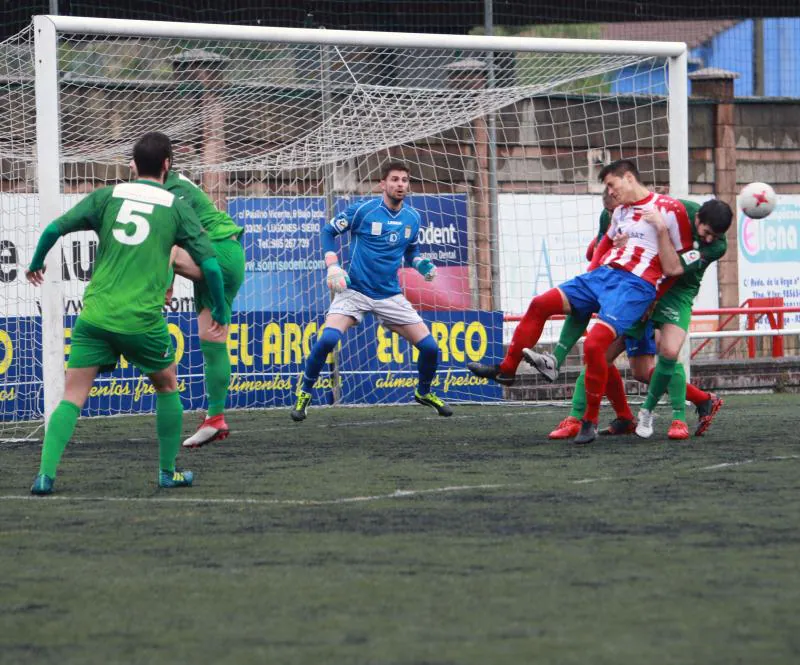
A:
[504,137]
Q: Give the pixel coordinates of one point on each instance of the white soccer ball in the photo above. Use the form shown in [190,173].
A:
[757,200]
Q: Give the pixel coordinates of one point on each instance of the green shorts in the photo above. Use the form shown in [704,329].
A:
[675,308]
[230,256]
[91,346]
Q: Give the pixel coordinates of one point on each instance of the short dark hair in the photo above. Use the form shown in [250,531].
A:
[393,166]
[150,152]
[619,168]
[717,215]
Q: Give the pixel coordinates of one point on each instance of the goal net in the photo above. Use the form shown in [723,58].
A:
[284,128]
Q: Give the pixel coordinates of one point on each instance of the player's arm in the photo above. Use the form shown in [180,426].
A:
[337,279]
[603,247]
[608,229]
[82,217]
[192,237]
[668,256]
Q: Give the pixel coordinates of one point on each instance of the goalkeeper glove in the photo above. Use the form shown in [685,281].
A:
[338,279]
[425,268]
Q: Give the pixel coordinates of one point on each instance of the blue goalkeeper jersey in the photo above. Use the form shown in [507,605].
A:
[381,238]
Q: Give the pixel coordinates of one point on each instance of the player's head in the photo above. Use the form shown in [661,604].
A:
[622,181]
[713,220]
[395,183]
[608,201]
[152,155]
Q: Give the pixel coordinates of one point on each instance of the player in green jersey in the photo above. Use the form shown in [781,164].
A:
[672,315]
[137,224]
[225,237]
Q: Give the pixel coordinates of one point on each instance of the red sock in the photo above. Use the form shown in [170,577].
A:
[615,391]
[695,395]
[597,342]
[530,328]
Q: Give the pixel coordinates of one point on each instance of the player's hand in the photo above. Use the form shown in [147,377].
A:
[338,279]
[425,268]
[35,277]
[215,329]
[220,316]
[168,297]
[654,217]
[620,239]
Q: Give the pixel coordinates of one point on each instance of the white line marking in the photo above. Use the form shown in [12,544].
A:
[397,494]
[585,481]
[725,465]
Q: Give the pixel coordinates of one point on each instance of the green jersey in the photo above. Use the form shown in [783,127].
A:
[137,223]
[696,260]
[219,225]
[605,222]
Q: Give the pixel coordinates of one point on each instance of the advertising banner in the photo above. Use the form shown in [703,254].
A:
[276,318]
[769,257]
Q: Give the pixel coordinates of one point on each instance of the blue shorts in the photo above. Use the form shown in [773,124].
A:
[619,297]
[643,346]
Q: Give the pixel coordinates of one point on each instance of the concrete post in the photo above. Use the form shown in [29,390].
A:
[470,74]
[206,70]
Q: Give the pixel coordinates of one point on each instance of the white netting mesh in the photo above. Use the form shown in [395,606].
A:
[283,136]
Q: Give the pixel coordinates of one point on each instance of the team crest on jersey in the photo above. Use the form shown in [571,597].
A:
[691,256]
[393,238]
[407,232]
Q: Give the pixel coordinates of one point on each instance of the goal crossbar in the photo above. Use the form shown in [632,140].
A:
[136,28]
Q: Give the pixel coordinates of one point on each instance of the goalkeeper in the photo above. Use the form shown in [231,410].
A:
[384,233]
[137,223]
[225,237]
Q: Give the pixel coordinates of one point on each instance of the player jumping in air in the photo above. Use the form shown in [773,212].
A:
[384,232]
[671,315]
[137,223]
[620,290]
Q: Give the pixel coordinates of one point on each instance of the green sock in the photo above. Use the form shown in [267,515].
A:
[59,431]
[664,371]
[217,367]
[677,393]
[169,423]
[579,397]
[574,327]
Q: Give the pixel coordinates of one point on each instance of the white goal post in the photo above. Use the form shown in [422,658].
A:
[411,96]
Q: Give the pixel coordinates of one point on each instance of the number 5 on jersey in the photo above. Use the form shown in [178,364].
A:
[131,213]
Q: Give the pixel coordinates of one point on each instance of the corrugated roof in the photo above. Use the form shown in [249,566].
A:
[694,33]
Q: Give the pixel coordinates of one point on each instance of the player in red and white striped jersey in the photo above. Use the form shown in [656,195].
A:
[619,291]
[640,255]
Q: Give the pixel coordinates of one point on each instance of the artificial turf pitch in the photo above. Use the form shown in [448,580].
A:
[389,535]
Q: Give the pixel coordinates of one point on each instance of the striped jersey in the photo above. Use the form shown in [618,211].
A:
[640,254]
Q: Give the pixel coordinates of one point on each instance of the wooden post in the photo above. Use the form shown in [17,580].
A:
[717,85]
